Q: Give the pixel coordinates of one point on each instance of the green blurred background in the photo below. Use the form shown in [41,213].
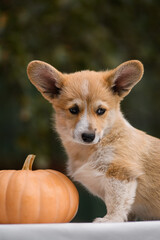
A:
[72,35]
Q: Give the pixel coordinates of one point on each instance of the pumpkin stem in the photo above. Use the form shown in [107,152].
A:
[29,162]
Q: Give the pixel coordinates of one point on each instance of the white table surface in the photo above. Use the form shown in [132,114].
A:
[82,231]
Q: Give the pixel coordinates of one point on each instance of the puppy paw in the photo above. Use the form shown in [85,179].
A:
[108,219]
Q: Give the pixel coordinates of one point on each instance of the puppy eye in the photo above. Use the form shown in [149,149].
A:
[74,110]
[100,111]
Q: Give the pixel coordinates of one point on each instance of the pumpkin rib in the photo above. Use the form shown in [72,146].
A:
[73,199]
[39,194]
[64,188]
[57,175]
[69,194]
[20,198]
[57,202]
[13,188]
[39,172]
[70,186]
[16,189]
[29,208]
[4,194]
[53,172]
[7,186]
[39,212]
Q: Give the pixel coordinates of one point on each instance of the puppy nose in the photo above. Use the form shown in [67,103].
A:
[88,137]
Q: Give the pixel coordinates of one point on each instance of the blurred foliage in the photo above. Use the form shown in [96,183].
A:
[72,35]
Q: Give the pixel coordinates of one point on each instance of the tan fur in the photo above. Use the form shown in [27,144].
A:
[122,166]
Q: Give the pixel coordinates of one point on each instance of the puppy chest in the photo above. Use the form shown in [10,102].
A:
[92,172]
[92,179]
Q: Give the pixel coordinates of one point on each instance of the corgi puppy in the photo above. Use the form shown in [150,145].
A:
[112,159]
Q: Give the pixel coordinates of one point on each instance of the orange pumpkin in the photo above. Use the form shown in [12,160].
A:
[40,196]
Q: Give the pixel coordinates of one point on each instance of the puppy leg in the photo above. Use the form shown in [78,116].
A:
[119,197]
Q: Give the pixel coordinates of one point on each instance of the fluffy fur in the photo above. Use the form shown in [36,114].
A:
[121,164]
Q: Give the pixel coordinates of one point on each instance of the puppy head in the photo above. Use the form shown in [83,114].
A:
[86,102]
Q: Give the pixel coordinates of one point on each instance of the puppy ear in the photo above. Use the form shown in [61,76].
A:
[123,78]
[45,78]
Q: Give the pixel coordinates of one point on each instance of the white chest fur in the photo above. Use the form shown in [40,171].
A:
[92,173]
